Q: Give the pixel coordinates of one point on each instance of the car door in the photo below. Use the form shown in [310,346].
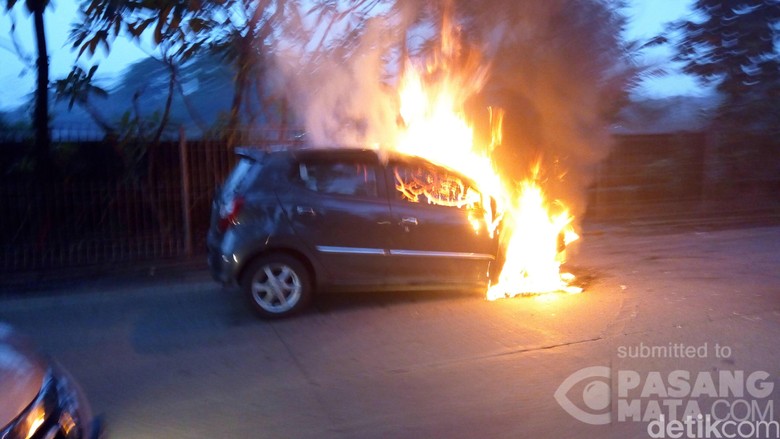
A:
[440,235]
[337,205]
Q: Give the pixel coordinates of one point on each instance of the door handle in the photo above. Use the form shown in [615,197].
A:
[408,221]
[304,210]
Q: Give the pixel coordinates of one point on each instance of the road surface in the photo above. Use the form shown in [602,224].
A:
[668,319]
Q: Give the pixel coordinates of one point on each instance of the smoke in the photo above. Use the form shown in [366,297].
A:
[557,68]
[342,91]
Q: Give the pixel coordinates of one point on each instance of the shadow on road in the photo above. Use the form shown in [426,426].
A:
[336,302]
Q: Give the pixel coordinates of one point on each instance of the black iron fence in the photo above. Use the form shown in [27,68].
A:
[86,222]
[109,206]
[123,203]
[685,177]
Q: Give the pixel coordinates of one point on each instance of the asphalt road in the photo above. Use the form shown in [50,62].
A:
[674,318]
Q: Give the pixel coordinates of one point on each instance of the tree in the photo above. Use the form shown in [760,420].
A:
[245,39]
[41,105]
[734,45]
[78,88]
[180,29]
[239,30]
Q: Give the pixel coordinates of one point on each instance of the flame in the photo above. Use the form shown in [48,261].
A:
[434,126]
[536,248]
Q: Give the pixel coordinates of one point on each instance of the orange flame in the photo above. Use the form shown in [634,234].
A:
[536,248]
[435,127]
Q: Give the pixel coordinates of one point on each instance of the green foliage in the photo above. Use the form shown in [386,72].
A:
[240,31]
[734,45]
[78,86]
[134,141]
[182,24]
[30,5]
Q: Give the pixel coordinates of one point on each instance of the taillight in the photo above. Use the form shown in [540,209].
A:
[228,213]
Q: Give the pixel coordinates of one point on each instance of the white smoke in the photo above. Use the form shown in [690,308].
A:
[556,67]
[342,93]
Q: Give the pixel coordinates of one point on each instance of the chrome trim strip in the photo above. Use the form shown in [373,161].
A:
[351,250]
[397,252]
[442,254]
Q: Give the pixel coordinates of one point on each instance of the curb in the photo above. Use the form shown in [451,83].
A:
[192,267]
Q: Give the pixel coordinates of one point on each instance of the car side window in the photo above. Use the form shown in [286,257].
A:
[339,177]
[428,184]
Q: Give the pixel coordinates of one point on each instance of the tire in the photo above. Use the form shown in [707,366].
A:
[277,285]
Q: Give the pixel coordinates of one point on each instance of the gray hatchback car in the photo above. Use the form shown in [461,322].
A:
[290,223]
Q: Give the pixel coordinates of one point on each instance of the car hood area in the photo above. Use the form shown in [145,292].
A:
[21,374]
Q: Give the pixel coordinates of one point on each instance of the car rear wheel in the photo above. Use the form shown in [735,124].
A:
[277,285]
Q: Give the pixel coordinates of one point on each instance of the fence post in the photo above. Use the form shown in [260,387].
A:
[185,190]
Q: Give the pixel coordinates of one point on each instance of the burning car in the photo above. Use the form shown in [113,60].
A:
[38,399]
[291,223]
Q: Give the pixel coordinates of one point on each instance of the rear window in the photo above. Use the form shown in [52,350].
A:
[339,177]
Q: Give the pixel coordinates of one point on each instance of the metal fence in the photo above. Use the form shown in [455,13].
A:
[85,222]
[684,177]
[159,207]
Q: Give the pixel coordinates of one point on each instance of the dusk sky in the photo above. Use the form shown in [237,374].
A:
[647,18]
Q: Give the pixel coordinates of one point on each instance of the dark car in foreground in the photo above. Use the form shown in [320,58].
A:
[289,223]
[38,399]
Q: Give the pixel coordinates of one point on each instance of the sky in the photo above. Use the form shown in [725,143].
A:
[646,19]
[18,81]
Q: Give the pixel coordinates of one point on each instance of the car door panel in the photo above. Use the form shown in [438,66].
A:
[346,232]
[435,244]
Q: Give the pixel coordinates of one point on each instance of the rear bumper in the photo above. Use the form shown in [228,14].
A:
[222,267]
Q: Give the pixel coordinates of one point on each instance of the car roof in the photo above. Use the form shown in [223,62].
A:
[258,152]
[329,152]
[306,152]
[324,152]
